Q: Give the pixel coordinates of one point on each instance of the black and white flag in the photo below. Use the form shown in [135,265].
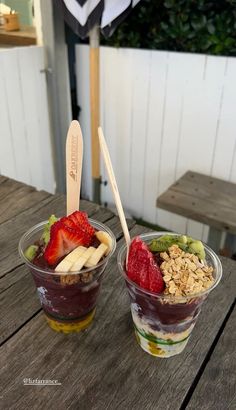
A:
[83,15]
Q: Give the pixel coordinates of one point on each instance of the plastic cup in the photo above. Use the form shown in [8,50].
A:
[68,300]
[164,323]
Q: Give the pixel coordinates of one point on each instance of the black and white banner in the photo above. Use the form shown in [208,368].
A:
[83,15]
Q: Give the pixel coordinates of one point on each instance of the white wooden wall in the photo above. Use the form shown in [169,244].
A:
[163,113]
[25,146]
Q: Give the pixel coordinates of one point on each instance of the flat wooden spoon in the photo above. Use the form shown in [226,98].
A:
[74,160]
[114,187]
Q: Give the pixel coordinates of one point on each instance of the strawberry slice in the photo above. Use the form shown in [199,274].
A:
[63,239]
[134,273]
[80,219]
[156,282]
[68,222]
[142,268]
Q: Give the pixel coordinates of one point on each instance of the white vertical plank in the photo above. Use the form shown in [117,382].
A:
[227,143]
[121,138]
[156,106]
[7,154]
[16,115]
[38,145]
[42,110]
[141,92]
[194,229]
[109,107]
[83,95]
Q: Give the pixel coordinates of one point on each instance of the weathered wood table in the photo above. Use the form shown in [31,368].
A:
[103,367]
[204,199]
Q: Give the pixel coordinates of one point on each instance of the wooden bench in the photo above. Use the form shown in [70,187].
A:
[205,199]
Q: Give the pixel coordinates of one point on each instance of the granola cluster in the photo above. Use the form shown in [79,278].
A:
[183,273]
[84,277]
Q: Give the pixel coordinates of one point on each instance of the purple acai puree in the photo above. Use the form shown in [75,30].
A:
[158,312]
[65,301]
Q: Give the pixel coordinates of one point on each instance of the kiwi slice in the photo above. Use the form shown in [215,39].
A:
[46,232]
[186,243]
[31,252]
[197,248]
[164,242]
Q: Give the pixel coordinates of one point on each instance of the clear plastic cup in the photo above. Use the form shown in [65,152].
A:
[68,300]
[163,323]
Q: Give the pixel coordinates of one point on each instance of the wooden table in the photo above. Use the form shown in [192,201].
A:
[203,199]
[24,37]
[103,367]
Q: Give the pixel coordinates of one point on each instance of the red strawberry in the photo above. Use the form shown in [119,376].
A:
[132,272]
[63,240]
[80,219]
[55,249]
[142,268]
[68,222]
[156,282]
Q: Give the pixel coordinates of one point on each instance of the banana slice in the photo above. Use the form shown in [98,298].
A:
[66,264]
[81,261]
[96,256]
[105,238]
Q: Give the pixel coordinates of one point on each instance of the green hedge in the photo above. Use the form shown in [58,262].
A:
[196,26]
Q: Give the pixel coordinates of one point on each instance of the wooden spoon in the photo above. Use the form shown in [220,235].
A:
[74,159]
[114,187]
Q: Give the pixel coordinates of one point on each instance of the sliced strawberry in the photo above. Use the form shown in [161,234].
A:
[81,219]
[142,267]
[63,240]
[68,222]
[142,264]
[55,249]
[133,270]
[156,282]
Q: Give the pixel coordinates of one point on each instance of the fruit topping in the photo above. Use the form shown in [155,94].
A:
[78,265]
[96,256]
[142,268]
[63,240]
[105,238]
[46,232]
[80,219]
[186,243]
[66,264]
[31,252]
[69,244]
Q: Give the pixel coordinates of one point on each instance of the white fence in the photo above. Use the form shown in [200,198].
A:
[163,113]
[25,146]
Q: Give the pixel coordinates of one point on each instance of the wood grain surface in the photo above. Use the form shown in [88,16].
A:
[203,199]
[16,197]
[217,388]
[103,367]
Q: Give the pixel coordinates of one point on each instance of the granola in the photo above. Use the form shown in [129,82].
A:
[183,273]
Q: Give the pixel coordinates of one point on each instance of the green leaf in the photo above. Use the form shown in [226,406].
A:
[211,28]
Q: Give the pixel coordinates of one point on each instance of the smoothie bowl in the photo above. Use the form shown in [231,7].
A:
[168,277]
[67,258]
